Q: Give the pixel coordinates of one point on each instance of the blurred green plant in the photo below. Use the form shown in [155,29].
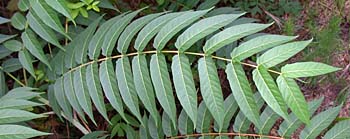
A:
[275,7]
[82,7]
[289,27]
[327,39]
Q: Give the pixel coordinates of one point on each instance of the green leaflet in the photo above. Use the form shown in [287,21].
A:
[132,121]
[203,28]
[17,104]
[281,53]
[286,129]
[225,52]
[319,123]
[11,65]
[107,5]
[185,124]
[18,21]
[207,4]
[81,92]
[116,29]
[144,132]
[19,132]
[143,84]
[4,20]
[33,46]
[230,35]
[70,93]
[269,91]
[110,86]
[258,44]
[241,122]
[77,49]
[244,20]
[184,85]
[61,7]
[94,135]
[203,119]
[76,5]
[6,37]
[294,98]
[21,93]
[69,61]
[74,49]
[96,42]
[155,130]
[42,30]
[127,87]
[222,10]
[13,45]
[339,131]
[130,132]
[58,63]
[224,137]
[14,116]
[167,126]
[211,89]
[268,118]
[3,85]
[26,61]
[175,25]
[84,39]
[95,90]
[242,92]
[151,29]
[190,4]
[23,5]
[306,69]
[48,16]
[131,30]
[230,108]
[62,99]
[4,52]
[53,102]
[162,85]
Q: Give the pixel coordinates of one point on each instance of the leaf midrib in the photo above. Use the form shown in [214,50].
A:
[306,70]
